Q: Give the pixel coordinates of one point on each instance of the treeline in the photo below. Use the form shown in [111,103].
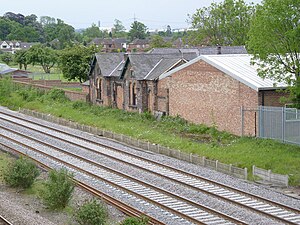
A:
[224,23]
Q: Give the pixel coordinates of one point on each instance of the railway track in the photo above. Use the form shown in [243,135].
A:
[4,221]
[180,209]
[274,210]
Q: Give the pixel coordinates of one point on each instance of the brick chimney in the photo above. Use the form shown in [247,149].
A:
[219,52]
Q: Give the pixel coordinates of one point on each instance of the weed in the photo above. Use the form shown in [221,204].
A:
[91,213]
[21,173]
[58,189]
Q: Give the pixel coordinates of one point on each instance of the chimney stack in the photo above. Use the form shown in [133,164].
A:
[219,50]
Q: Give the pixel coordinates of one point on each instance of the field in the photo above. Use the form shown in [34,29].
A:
[173,132]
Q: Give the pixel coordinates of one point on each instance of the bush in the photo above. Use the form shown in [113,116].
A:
[57,95]
[135,221]
[58,189]
[21,173]
[91,213]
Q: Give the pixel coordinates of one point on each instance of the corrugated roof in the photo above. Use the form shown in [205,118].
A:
[236,66]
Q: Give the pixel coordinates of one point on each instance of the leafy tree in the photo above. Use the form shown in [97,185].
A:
[7,57]
[21,58]
[75,61]
[137,30]
[5,28]
[274,39]
[19,18]
[118,29]
[45,56]
[46,20]
[224,23]
[92,32]
[158,42]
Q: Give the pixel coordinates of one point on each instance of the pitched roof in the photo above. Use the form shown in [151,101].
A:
[214,50]
[108,62]
[236,66]
[143,64]
[210,50]
[163,66]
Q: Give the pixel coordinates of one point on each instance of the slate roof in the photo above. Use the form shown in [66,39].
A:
[210,50]
[238,67]
[163,66]
[149,64]
[108,62]
[213,50]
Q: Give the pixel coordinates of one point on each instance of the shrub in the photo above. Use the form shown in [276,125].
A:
[135,221]
[21,173]
[91,213]
[58,189]
[57,95]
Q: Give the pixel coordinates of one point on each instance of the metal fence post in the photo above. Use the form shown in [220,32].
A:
[283,124]
[242,120]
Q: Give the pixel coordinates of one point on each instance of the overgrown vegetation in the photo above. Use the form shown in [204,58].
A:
[173,132]
[58,189]
[21,173]
[135,221]
[91,213]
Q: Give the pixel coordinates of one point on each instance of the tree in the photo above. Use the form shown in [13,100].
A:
[137,30]
[224,23]
[7,57]
[45,56]
[21,58]
[92,32]
[118,29]
[158,42]
[274,40]
[75,61]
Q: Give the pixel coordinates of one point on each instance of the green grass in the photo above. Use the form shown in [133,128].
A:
[171,132]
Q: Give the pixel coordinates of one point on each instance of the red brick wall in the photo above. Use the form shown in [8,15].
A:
[272,98]
[202,94]
[72,95]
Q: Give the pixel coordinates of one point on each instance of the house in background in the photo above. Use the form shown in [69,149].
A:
[110,44]
[213,89]
[13,46]
[139,45]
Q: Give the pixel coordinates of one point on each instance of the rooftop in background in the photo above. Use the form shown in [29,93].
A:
[207,50]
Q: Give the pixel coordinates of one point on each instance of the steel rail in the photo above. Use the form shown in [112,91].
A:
[4,221]
[128,210]
[210,210]
[159,164]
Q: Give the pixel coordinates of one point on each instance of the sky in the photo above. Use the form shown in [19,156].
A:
[155,14]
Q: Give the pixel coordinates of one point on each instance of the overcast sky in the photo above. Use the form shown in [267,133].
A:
[155,14]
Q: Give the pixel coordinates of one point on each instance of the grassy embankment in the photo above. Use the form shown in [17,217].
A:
[172,132]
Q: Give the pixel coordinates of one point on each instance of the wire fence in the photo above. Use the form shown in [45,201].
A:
[279,123]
